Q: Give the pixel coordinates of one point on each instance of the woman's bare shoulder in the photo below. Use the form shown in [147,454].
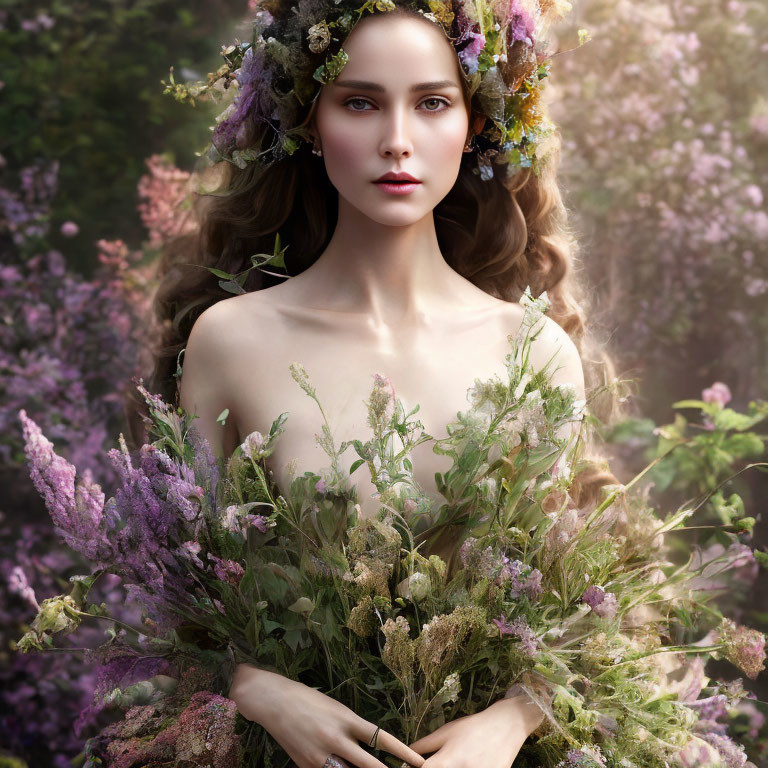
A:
[554,347]
[221,335]
[227,322]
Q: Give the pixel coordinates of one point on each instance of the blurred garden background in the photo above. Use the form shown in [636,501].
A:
[664,119]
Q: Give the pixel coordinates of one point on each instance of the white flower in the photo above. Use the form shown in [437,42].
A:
[253,445]
[526,377]
[419,586]
[449,691]
[533,399]
[231,521]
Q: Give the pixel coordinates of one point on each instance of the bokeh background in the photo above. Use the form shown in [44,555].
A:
[664,119]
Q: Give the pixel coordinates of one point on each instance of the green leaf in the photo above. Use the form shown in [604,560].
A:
[631,429]
[220,273]
[730,419]
[231,286]
[744,445]
[222,417]
[700,404]
[271,626]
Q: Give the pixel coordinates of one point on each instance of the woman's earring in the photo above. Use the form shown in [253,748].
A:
[469,146]
[317,151]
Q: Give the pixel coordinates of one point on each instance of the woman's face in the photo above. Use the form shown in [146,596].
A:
[397,105]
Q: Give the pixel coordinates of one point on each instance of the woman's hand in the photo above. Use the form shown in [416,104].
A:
[491,738]
[309,725]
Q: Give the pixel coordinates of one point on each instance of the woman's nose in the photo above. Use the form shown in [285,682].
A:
[396,132]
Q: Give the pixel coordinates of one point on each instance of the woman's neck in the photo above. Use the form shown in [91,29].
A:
[392,275]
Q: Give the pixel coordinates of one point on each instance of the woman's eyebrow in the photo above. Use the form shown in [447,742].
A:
[365,85]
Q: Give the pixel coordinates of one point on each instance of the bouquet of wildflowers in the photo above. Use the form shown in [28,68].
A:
[583,609]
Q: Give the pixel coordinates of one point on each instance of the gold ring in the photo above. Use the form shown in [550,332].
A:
[372,742]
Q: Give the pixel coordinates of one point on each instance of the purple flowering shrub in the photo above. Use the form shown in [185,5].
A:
[68,343]
[68,346]
[41,695]
[666,159]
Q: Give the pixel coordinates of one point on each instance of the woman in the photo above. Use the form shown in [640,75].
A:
[404,286]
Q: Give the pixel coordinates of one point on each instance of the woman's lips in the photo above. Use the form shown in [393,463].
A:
[397,187]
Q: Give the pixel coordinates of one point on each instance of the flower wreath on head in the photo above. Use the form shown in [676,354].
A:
[295,49]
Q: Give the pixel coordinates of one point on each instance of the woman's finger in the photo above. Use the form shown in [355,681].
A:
[388,743]
[358,757]
[432,741]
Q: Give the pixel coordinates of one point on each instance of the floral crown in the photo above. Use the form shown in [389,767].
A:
[295,49]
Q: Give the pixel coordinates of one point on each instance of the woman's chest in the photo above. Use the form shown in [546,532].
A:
[434,374]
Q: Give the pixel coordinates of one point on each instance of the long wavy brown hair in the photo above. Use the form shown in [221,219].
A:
[502,234]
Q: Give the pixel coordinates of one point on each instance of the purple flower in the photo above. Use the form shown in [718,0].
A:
[470,52]
[732,754]
[252,104]
[76,509]
[603,603]
[258,521]
[227,570]
[525,580]
[521,23]
[190,550]
[520,628]
[711,707]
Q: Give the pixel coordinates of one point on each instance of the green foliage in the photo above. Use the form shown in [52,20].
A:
[85,89]
[576,606]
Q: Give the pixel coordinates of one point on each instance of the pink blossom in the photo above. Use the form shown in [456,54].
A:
[717,393]
[253,445]
[743,647]
[754,194]
[164,192]
[69,229]
[18,584]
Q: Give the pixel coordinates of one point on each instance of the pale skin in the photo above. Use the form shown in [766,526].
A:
[380,299]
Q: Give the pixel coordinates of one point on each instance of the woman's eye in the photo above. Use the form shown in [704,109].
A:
[434,100]
[358,101]
[437,101]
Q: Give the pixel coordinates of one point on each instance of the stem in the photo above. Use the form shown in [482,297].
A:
[108,618]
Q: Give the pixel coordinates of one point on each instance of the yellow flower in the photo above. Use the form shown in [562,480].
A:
[441,11]
[319,36]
